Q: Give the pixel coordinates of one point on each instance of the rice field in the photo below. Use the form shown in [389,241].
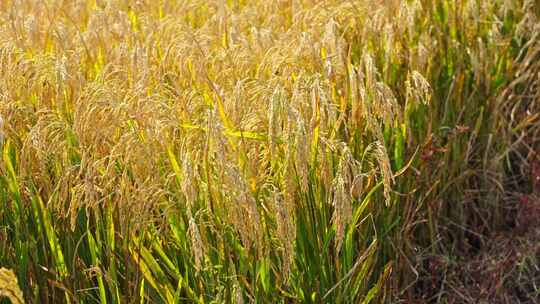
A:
[255,151]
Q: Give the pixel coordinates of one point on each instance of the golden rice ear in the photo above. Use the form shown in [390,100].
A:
[417,88]
[385,168]
[357,186]
[302,154]
[342,210]
[274,119]
[188,184]
[9,286]
[342,198]
[286,230]
[196,243]
[2,136]
[243,207]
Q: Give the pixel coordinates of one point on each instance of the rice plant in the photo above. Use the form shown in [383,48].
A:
[290,151]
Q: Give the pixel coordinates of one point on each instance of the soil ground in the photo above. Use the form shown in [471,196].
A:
[502,267]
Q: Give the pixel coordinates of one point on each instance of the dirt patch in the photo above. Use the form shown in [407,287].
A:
[505,268]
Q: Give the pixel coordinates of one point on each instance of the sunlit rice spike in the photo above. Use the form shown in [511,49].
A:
[342,198]
[2,134]
[417,88]
[196,243]
[189,181]
[286,230]
[385,168]
[9,286]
